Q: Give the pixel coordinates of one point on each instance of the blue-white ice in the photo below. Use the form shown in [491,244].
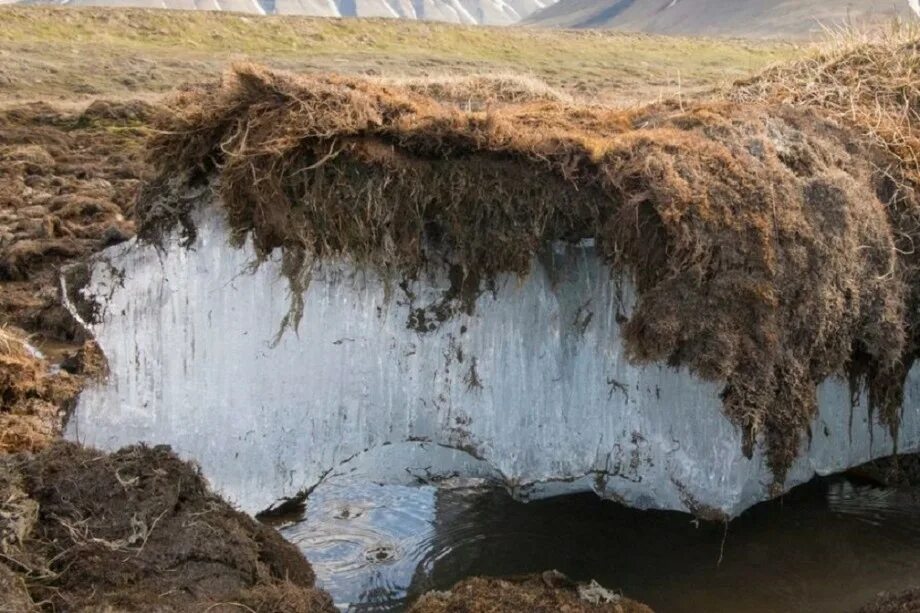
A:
[190,338]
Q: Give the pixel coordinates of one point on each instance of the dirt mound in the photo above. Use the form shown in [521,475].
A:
[546,593]
[67,187]
[903,602]
[776,230]
[139,530]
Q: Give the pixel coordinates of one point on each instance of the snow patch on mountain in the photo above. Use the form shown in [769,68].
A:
[471,12]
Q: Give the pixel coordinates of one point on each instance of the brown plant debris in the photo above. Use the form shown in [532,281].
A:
[138,530]
[771,245]
[32,399]
[68,180]
[548,592]
[865,80]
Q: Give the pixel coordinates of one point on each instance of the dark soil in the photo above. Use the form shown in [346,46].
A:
[549,592]
[137,530]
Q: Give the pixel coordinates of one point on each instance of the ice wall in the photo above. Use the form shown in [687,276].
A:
[533,384]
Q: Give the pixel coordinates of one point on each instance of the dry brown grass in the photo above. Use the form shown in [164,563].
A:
[12,345]
[868,80]
[476,91]
[68,180]
[32,399]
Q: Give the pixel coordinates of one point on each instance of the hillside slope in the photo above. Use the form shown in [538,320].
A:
[471,12]
[761,18]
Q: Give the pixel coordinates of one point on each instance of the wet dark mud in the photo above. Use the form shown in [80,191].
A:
[137,530]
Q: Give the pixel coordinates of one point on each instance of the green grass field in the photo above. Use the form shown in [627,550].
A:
[54,53]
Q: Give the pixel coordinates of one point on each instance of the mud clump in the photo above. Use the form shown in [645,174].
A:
[767,242]
[67,186]
[903,602]
[138,530]
[549,592]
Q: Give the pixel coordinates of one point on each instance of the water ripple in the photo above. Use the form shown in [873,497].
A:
[377,547]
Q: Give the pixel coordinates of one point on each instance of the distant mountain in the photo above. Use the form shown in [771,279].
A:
[760,18]
[485,12]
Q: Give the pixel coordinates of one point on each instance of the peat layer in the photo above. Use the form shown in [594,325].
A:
[770,240]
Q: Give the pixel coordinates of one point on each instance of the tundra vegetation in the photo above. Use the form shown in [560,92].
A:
[777,207]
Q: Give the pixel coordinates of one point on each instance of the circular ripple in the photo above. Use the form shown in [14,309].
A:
[365,541]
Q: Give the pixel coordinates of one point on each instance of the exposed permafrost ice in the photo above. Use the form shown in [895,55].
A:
[534,383]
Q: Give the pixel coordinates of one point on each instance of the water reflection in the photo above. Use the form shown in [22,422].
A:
[828,546]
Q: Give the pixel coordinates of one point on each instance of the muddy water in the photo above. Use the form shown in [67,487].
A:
[830,545]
